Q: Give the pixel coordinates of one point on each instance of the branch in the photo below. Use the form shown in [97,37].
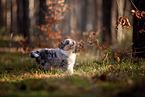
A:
[134,5]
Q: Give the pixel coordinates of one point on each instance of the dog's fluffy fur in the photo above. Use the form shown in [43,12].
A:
[63,57]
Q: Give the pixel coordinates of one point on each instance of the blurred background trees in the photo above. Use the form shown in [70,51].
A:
[21,18]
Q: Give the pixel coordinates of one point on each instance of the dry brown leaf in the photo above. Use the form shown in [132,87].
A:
[105,57]
[118,59]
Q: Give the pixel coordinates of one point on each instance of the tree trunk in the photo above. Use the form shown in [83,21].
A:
[41,13]
[14,15]
[26,19]
[138,25]
[0,13]
[65,24]
[120,33]
[32,17]
[99,15]
[106,35]
[8,15]
[20,16]
[113,22]
[23,21]
[76,15]
[90,15]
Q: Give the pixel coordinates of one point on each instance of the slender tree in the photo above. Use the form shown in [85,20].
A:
[106,35]
[26,20]
[20,16]
[23,21]
[0,13]
[43,9]
[120,31]
[113,21]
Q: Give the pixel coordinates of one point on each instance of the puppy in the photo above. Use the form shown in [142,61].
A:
[62,58]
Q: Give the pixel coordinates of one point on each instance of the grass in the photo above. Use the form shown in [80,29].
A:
[19,76]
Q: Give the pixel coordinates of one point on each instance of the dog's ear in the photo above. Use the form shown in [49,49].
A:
[61,45]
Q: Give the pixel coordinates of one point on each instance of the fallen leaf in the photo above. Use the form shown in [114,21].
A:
[118,59]
[105,57]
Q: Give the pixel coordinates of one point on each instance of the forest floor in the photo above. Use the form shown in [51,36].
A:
[19,76]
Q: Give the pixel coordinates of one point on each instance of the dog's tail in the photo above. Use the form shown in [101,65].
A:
[34,54]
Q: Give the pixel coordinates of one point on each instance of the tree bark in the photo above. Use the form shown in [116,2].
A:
[76,15]
[2,13]
[26,20]
[106,35]
[41,14]
[99,16]
[20,16]
[8,15]
[120,33]
[23,21]
[139,38]
[113,21]
[65,24]
[14,15]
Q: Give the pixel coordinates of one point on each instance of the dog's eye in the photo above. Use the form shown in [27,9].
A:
[67,42]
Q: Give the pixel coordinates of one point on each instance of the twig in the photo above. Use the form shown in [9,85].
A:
[136,52]
[134,5]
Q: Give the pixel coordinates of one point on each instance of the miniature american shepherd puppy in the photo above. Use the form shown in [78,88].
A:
[62,58]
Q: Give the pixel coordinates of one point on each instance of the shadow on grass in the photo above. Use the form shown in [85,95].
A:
[15,63]
[72,86]
[65,86]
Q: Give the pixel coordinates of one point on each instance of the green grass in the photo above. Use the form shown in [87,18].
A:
[19,76]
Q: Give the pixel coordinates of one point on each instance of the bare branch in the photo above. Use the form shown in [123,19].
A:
[134,5]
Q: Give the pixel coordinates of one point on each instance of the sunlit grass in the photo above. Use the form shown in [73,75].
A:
[15,66]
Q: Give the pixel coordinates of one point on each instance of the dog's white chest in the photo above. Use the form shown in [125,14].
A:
[71,58]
